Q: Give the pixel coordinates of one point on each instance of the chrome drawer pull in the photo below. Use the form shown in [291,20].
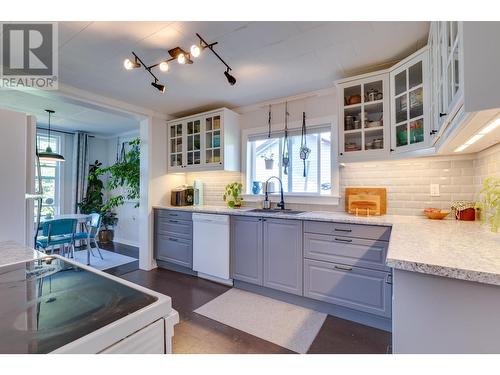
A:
[342,230]
[342,239]
[173,239]
[388,279]
[173,221]
[343,268]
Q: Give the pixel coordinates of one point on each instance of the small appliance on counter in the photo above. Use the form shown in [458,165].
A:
[198,192]
[464,210]
[361,201]
[182,196]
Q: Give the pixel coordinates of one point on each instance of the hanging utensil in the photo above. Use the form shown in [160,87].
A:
[304,150]
[285,160]
[269,122]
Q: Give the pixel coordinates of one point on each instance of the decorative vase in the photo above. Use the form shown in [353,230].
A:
[269,163]
[256,186]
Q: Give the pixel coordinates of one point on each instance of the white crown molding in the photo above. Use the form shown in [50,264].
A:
[302,96]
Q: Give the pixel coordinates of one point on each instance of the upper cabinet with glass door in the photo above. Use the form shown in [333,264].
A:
[364,117]
[410,128]
[445,44]
[205,141]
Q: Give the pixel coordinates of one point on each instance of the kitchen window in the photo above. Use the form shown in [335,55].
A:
[51,176]
[264,159]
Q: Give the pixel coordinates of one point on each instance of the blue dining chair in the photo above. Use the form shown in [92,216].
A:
[58,232]
[93,228]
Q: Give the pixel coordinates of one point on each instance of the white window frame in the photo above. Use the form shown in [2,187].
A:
[59,175]
[303,198]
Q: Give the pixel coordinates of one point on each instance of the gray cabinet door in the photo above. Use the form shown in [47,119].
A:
[357,288]
[246,249]
[174,250]
[283,255]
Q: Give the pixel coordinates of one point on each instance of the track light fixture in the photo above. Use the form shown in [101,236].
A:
[158,86]
[182,58]
[129,64]
[229,77]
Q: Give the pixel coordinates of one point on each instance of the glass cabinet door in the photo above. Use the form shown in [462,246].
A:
[193,135]
[362,117]
[213,141]
[176,145]
[448,75]
[408,120]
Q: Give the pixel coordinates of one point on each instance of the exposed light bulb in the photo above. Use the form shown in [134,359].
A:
[164,66]
[181,59]
[128,64]
[195,50]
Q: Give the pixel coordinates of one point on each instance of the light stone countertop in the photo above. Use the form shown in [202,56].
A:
[449,248]
[11,253]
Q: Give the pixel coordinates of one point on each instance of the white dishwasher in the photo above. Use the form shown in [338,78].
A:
[211,247]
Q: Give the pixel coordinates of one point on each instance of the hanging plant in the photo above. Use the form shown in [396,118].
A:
[125,174]
[285,160]
[304,150]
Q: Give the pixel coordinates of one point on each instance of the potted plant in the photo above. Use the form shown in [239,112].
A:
[92,202]
[232,195]
[268,160]
[109,220]
[490,203]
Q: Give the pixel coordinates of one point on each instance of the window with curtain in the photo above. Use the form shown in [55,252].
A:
[318,177]
[51,176]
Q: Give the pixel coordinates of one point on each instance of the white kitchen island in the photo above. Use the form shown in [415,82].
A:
[53,305]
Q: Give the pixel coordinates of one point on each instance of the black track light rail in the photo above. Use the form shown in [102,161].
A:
[211,48]
[174,53]
[148,68]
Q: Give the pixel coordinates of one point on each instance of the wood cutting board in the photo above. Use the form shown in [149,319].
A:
[367,201]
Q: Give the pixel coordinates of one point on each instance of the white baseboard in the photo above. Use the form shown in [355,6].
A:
[126,242]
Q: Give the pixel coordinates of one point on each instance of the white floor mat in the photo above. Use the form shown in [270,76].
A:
[290,326]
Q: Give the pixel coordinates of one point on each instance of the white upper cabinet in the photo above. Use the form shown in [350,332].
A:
[410,128]
[364,117]
[206,141]
[446,72]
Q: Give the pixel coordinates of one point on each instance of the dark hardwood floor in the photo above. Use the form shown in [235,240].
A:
[198,334]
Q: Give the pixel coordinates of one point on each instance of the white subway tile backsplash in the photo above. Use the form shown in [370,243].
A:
[407,181]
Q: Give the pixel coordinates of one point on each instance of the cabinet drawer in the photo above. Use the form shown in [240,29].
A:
[373,232]
[173,214]
[347,250]
[352,287]
[175,227]
[174,250]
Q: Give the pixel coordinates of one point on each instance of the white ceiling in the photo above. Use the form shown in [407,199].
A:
[269,59]
[68,116]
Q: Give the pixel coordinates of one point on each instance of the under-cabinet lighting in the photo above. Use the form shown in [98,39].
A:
[471,140]
[490,127]
[487,129]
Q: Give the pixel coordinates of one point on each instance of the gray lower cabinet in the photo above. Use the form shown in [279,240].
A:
[283,258]
[173,237]
[174,250]
[353,287]
[246,249]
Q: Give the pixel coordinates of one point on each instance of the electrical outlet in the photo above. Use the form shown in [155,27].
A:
[434,190]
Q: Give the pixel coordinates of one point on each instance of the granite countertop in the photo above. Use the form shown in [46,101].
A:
[449,248]
[11,253]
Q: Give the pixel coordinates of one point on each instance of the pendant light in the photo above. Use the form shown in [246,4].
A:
[48,154]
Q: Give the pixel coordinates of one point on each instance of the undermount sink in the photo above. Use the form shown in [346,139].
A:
[276,211]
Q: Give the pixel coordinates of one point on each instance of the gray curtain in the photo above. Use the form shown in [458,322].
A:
[80,168]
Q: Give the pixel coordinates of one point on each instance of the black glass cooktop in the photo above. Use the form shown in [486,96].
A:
[48,303]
